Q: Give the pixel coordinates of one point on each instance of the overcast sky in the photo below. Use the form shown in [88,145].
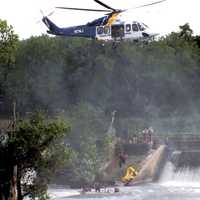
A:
[164,18]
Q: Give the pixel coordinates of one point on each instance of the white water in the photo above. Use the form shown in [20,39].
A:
[183,177]
[126,193]
[143,192]
[60,193]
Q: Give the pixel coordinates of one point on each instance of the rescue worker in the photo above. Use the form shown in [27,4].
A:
[122,159]
[130,174]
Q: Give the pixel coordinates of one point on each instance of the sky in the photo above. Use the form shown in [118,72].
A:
[163,18]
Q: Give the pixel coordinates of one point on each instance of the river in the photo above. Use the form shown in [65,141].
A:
[183,184]
[143,192]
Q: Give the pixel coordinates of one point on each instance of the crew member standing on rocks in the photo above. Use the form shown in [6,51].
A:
[122,159]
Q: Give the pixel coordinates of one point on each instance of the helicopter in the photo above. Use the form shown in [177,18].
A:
[110,27]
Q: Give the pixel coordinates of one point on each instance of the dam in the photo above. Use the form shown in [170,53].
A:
[173,157]
[182,165]
[171,171]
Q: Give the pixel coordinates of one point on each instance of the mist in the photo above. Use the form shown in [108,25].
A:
[147,85]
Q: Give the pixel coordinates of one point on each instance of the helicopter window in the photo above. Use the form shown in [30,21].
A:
[128,27]
[106,30]
[134,27]
[100,30]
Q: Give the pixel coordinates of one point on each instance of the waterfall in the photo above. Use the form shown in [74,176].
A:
[179,176]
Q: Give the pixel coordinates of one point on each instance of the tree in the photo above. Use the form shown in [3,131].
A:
[8,46]
[36,147]
[186,32]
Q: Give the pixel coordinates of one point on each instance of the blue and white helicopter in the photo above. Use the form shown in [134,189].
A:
[107,28]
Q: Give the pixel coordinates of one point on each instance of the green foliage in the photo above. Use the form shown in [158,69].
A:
[186,32]
[8,46]
[85,164]
[89,141]
[36,147]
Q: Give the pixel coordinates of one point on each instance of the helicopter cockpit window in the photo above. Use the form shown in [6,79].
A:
[142,26]
[128,27]
[100,30]
[135,27]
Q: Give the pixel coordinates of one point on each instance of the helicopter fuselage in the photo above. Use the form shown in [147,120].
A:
[107,32]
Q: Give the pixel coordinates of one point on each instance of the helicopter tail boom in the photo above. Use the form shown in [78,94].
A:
[53,29]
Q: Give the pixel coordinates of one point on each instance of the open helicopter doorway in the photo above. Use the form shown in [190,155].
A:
[117,31]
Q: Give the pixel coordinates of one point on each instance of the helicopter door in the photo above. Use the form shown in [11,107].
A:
[117,31]
[137,34]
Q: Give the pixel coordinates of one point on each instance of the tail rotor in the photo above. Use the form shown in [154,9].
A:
[43,15]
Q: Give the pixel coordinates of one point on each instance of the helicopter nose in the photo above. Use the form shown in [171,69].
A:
[153,34]
[150,35]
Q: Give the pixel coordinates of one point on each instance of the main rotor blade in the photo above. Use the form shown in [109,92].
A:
[104,5]
[145,5]
[84,9]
